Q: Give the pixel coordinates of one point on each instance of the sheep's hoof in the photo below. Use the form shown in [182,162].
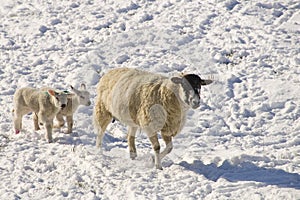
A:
[58,125]
[133,155]
[159,167]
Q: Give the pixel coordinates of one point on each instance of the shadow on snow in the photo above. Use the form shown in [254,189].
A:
[245,171]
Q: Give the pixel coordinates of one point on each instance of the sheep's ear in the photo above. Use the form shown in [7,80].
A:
[206,82]
[74,90]
[176,80]
[52,92]
[82,86]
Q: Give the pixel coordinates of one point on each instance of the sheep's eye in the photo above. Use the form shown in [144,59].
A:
[82,97]
[197,90]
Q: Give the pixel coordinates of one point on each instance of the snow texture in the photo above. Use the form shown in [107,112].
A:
[242,143]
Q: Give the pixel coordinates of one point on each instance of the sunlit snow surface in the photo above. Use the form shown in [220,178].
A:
[242,143]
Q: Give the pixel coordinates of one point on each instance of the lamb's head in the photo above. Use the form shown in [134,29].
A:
[60,98]
[189,90]
[82,94]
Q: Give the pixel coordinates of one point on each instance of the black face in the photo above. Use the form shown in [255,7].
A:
[191,86]
[195,82]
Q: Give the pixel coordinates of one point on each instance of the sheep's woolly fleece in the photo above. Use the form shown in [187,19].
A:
[242,143]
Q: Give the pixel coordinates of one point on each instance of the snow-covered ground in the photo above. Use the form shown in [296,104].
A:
[242,143]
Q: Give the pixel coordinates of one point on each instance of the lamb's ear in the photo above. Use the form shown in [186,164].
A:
[82,86]
[74,90]
[52,92]
[176,80]
[205,82]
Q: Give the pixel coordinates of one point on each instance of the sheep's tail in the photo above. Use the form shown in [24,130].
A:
[101,120]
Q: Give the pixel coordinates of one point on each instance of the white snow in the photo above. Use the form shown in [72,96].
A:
[242,143]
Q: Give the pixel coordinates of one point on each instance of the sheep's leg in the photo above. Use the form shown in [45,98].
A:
[18,123]
[131,142]
[156,148]
[169,146]
[101,119]
[48,124]
[36,122]
[48,127]
[60,120]
[101,131]
[70,123]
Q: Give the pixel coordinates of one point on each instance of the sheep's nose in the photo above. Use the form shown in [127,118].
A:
[89,103]
[195,104]
[63,105]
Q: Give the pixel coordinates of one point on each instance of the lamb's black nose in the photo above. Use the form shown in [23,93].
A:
[63,105]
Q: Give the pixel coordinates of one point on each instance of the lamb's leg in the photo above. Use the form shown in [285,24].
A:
[156,148]
[36,122]
[17,122]
[169,146]
[48,127]
[131,142]
[70,123]
[48,124]
[60,120]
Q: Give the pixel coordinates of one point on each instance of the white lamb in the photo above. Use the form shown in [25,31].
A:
[81,97]
[44,104]
[148,101]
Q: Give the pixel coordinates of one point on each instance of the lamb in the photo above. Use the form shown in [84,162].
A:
[81,97]
[44,104]
[148,101]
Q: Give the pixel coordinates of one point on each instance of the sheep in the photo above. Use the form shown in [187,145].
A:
[44,104]
[81,97]
[148,101]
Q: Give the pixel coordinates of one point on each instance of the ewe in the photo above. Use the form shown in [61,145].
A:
[45,105]
[148,101]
